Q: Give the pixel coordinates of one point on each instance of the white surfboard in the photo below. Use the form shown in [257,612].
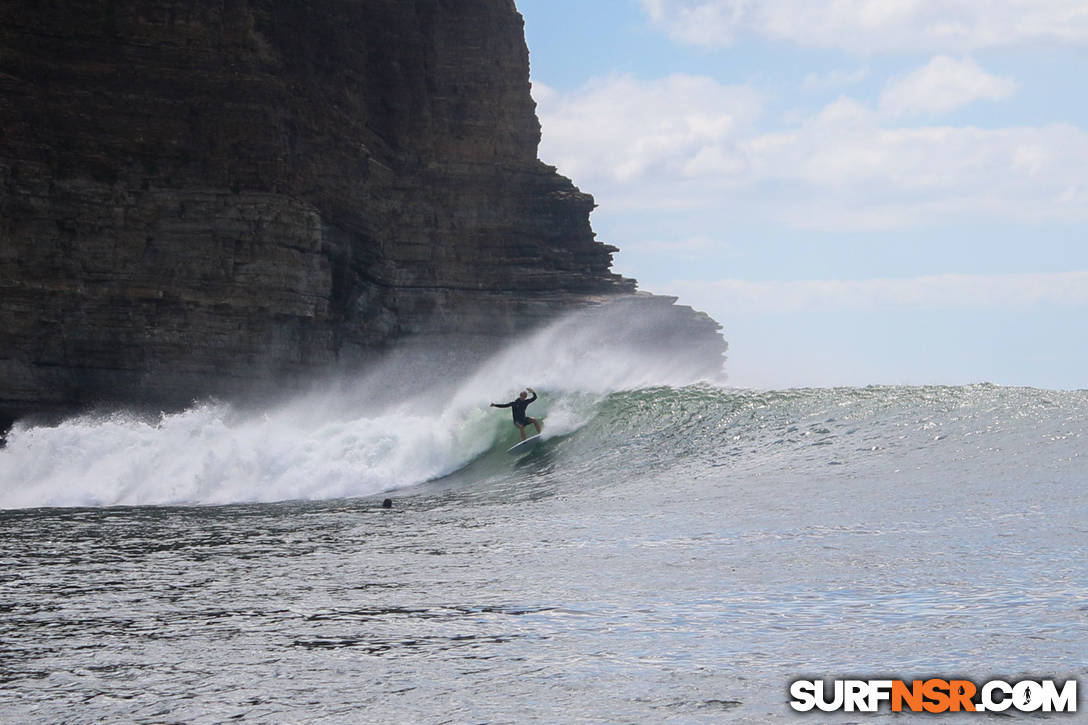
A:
[525,446]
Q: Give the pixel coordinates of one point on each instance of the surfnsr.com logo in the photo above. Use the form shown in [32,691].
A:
[934,695]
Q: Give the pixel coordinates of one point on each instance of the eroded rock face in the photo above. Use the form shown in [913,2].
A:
[208,196]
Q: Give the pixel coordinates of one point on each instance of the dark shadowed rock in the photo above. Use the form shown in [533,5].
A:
[214,197]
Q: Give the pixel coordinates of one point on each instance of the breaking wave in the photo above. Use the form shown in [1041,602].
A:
[346,440]
[612,412]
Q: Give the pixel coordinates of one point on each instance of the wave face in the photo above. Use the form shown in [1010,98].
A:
[610,414]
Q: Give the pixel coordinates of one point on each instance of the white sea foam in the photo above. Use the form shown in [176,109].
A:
[214,454]
[340,442]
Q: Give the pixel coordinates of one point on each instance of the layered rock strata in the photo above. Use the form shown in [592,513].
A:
[207,197]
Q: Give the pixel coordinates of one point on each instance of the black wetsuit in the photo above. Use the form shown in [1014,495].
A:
[518,407]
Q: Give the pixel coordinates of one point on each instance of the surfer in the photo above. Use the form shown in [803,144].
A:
[518,409]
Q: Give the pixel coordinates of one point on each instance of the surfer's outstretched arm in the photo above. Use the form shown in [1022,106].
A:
[501,405]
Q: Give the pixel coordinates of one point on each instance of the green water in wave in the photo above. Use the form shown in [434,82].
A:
[822,433]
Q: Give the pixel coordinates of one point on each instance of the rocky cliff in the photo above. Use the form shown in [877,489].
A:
[202,196]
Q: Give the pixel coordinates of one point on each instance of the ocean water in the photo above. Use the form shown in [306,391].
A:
[674,552]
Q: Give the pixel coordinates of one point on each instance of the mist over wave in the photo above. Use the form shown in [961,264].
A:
[615,408]
[402,423]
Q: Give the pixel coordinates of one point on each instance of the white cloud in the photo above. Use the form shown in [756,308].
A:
[688,142]
[875,25]
[542,93]
[942,85]
[834,80]
[624,129]
[945,292]
[1072,195]
[692,247]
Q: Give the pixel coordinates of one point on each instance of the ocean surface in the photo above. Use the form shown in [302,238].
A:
[674,552]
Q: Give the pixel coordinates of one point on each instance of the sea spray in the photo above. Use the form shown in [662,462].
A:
[214,454]
[391,428]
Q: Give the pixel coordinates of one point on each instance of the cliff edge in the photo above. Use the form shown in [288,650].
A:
[201,197]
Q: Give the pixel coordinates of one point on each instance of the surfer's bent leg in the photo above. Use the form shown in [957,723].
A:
[536,423]
[521,429]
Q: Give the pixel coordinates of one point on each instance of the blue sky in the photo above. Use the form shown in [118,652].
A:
[860,191]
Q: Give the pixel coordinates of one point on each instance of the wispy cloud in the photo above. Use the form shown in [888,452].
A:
[685,247]
[942,85]
[624,129]
[834,80]
[945,291]
[690,142]
[875,26]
